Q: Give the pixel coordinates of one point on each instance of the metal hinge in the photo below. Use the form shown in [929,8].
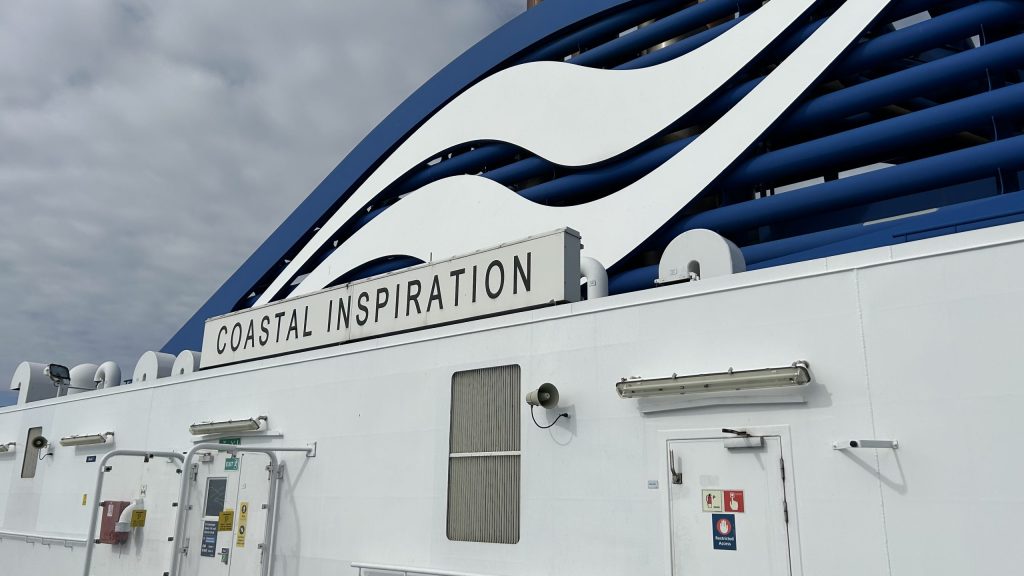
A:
[782,468]
[785,510]
[195,472]
[184,548]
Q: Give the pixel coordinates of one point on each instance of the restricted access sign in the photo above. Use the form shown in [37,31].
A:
[723,531]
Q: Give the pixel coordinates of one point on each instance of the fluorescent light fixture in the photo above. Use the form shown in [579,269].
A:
[86,439]
[227,426]
[765,378]
[7,447]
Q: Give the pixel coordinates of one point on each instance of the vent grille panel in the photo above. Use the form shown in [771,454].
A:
[483,464]
[483,499]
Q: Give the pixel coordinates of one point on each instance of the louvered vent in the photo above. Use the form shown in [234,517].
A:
[483,464]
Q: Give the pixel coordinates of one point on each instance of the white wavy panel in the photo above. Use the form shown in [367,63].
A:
[465,213]
[567,114]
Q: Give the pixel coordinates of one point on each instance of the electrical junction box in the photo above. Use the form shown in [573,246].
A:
[110,513]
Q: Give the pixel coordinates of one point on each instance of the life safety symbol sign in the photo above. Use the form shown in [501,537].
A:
[711,500]
[723,531]
[733,501]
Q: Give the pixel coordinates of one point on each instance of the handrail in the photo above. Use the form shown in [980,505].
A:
[68,540]
[271,452]
[90,537]
[408,570]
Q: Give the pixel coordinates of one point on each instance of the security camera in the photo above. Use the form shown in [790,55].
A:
[40,442]
[546,396]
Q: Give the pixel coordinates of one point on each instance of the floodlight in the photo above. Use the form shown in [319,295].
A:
[86,439]
[227,426]
[765,378]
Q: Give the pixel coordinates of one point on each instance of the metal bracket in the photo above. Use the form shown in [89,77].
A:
[854,444]
[677,477]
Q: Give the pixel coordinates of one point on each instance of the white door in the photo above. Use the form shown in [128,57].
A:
[227,515]
[727,506]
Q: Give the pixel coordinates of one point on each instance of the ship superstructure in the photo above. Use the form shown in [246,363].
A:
[631,287]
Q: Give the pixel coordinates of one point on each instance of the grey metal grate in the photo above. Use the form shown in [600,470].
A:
[483,464]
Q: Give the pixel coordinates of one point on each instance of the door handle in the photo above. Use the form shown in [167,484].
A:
[677,477]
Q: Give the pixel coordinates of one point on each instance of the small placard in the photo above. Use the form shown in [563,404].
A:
[243,521]
[226,521]
[230,441]
[209,544]
[652,484]
[90,458]
[711,500]
[723,531]
[138,518]
[734,501]
[231,464]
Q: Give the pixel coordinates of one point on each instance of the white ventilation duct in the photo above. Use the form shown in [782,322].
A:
[152,366]
[187,362]
[107,375]
[32,383]
[596,275]
[697,254]
[82,378]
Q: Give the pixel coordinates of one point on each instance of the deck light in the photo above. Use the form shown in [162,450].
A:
[7,447]
[226,426]
[86,439]
[765,378]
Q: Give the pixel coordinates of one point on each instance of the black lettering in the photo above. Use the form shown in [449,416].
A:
[380,303]
[398,298]
[250,335]
[265,329]
[293,326]
[279,315]
[494,265]
[413,297]
[455,274]
[221,333]
[474,283]
[344,311]
[517,272]
[236,341]
[363,310]
[305,323]
[435,294]
[330,314]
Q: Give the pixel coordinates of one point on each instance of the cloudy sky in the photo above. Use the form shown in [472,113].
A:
[146,149]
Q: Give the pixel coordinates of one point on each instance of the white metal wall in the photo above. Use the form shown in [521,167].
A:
[923,350]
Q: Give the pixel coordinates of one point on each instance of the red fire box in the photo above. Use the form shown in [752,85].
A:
[110,512]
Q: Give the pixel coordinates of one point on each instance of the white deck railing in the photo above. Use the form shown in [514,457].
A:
[67,540]
[410,571]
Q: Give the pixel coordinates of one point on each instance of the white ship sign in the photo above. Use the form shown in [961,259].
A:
[532,272]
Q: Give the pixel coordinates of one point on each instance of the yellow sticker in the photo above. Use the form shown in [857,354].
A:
[138,518]
[243,519]
[85,498]
[226,521]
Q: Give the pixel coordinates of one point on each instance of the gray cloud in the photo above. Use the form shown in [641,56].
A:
[146,149]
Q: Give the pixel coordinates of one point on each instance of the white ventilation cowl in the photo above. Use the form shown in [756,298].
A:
[697,254]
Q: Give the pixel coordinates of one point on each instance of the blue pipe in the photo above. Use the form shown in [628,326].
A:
[920,175]
[668,27]
[874,141]
[640,12]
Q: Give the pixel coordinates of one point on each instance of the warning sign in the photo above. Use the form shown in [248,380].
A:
[243,520]
[711,500]
[138,519]
[226,521]
[723,531]
[734,501]
[208,547]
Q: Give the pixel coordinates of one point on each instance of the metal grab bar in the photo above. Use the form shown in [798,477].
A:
[90,537]
[48,538]
[410,571]
[275,466]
